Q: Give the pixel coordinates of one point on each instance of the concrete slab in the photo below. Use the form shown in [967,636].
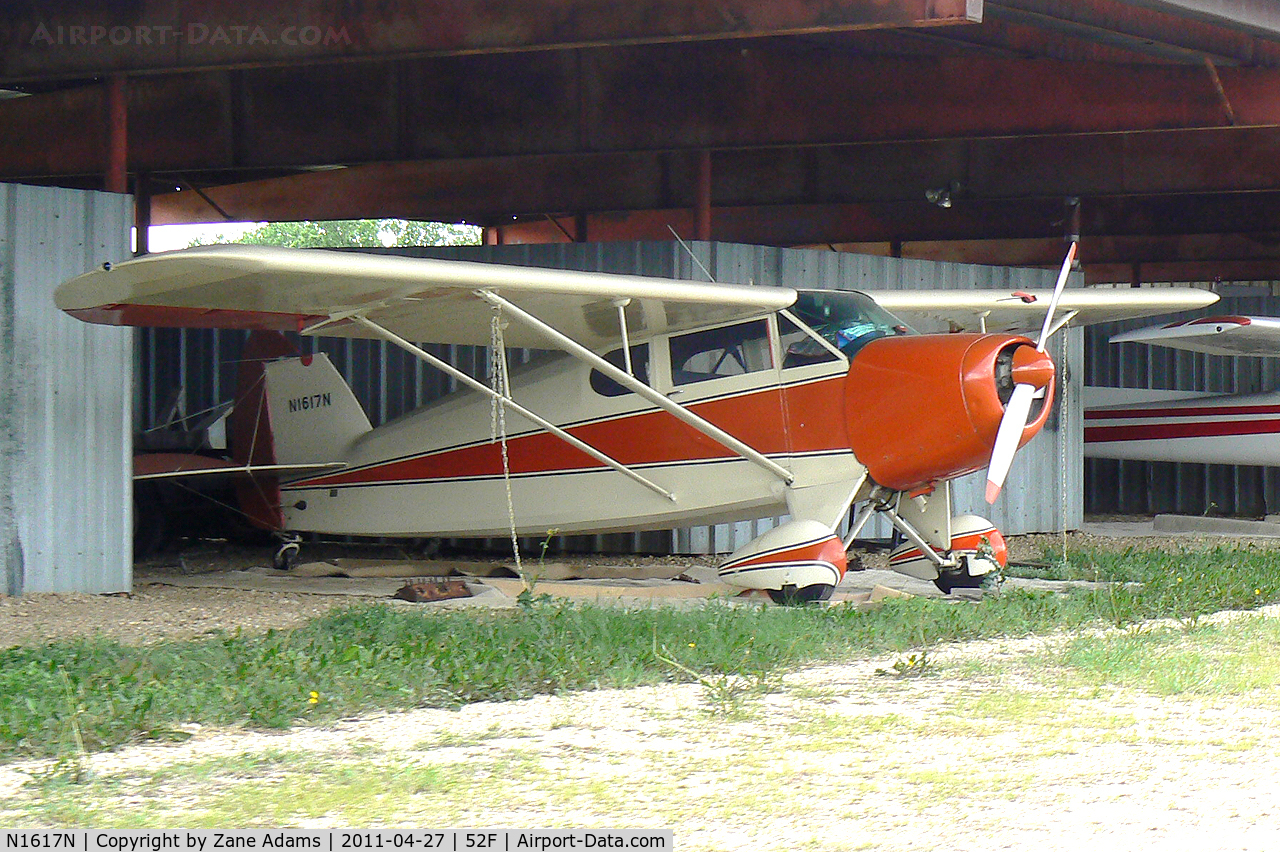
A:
[617,590]
[1120,529]
[1199,525]
[859,588]
[395,568]
[1163,526]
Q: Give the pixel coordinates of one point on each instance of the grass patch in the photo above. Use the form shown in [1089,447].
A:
[103,694]
[1237,658]
[1181,583]
[96,694]
[250,791]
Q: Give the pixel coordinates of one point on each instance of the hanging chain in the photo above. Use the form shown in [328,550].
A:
[498,420]
[1063,433]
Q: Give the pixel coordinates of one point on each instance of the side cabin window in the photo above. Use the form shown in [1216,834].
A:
[605,386]
[731,350]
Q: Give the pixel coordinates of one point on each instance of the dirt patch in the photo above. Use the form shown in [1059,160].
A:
[154,611]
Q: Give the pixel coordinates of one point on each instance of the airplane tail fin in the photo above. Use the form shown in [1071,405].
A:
[314,415]
[287,412]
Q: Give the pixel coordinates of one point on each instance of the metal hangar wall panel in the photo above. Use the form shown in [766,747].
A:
[65,428]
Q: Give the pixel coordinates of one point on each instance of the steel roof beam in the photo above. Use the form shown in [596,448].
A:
[1136,261]
[79,38]
[987,172]
[1048,28]
[1257,16]
[1252,218]
[632,99]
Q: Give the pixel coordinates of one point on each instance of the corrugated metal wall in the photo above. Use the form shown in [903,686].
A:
[65,438]
[388,382]
[1131,487]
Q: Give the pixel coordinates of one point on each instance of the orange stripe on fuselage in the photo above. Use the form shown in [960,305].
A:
[653,437]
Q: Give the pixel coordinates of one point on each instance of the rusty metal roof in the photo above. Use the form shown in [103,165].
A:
[822,121]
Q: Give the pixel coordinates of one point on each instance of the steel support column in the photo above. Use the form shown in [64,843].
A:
[142,213]
[116,179]
[702,208]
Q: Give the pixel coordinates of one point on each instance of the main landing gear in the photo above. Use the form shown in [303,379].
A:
[802,561]
[791,595]
[977,550]
[796,562]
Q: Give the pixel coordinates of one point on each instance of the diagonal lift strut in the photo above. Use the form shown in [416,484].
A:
[642,390]
[421,354]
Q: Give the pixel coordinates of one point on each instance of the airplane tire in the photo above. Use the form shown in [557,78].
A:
[792,596]
[958,580]
[286,556]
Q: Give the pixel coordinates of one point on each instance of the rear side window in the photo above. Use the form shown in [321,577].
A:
[731,350]
[605,386]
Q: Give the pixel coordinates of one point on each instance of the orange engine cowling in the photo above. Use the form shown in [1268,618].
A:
[922,409]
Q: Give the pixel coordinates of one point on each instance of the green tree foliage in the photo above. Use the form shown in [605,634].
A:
[353,233]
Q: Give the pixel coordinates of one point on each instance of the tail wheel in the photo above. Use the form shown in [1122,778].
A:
[793,596]
[286,556]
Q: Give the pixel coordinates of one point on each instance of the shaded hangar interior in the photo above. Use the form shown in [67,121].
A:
[952,130]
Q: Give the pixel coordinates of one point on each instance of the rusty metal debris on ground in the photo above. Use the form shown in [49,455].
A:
[434,589]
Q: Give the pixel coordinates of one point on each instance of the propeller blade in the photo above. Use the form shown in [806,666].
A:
[1057,294]
[1018,410]
[1007,437]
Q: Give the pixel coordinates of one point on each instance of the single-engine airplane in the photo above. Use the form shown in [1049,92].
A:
[672,403]
[1182,426]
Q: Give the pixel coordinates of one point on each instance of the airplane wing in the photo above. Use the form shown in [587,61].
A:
[420,299]
[1004,310]
[1231,335]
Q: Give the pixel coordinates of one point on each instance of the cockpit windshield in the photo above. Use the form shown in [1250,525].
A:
[846,319]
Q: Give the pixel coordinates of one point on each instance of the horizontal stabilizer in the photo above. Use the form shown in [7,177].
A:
[1228,335]
[186,465]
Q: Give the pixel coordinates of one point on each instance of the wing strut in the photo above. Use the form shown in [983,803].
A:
[621,305]
[676,410]
[423,355]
